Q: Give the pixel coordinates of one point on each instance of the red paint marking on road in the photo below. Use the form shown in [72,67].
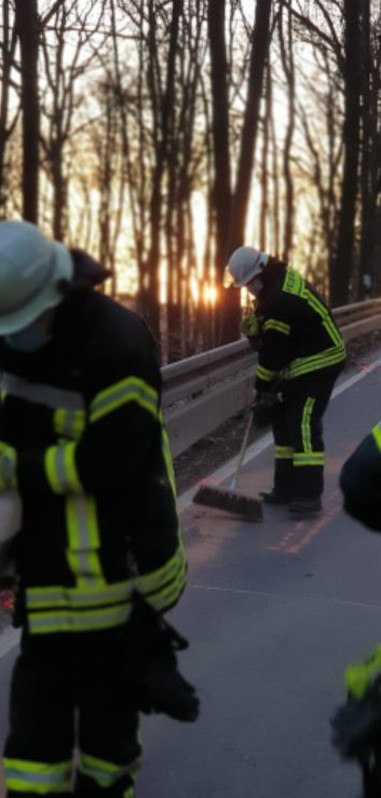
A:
[303,532]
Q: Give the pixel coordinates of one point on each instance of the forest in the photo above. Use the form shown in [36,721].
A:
[159,135]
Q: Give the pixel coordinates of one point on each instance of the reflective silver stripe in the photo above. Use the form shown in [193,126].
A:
[61,470]
[130,389]
[68,425]
[31,777]
[39,597]
[66,621]
[43,394]
[146,583]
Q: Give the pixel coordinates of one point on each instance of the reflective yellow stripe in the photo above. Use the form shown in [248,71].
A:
[8,475]
[310,459]
[132,389]
[61,469]
[358,677]
[165,598]
[293,282]
[81,621]
[104,773]
[84,540]
[279,326]
[78,598]
[69,423]
[328,357]
[168,460]
[265,374]
[306,423]
[38,778]
[284,452]
[376,432]
[146,583]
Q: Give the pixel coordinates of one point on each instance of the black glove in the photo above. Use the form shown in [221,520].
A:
[360,481]
[265,407]
[152,647]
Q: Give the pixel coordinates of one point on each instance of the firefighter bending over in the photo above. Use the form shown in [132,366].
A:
[98,555]
[300,354]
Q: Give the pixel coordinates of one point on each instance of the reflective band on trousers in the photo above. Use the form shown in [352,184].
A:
[284,452]
[306,423]
[104,773]
[132,389]
[309,459]
[22,775]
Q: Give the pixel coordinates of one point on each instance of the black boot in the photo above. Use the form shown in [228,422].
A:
[301,508]
[275,497]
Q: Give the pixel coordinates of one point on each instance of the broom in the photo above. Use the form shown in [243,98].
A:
[229,499]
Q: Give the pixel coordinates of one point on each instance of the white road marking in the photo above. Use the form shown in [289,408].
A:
[285,596]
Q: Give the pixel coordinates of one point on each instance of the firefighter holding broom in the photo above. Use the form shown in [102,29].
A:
[98,554]
[300,354]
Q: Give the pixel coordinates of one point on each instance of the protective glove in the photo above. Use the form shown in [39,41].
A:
[8,465]
[151,650]
[360,481]
[251,328]
[265,407]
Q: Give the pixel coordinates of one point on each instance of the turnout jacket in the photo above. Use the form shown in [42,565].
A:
[297,332]
[94,470]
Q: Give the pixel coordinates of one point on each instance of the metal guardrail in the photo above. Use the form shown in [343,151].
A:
[203,391]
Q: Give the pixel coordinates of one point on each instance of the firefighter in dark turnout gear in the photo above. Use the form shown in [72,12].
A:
[84,446]
[300,354]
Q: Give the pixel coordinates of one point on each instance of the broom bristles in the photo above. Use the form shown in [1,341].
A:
[230,501]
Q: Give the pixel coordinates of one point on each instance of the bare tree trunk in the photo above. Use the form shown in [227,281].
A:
[342,269]
[286,46]
[27,25]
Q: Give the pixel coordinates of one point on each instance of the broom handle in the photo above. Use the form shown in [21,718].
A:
[242,450]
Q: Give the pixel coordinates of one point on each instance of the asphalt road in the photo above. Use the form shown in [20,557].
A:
[274,612]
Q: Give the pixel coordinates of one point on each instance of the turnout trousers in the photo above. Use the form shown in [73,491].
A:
[73,727]
[298,436]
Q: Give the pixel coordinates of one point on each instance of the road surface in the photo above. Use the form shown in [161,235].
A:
[274,612]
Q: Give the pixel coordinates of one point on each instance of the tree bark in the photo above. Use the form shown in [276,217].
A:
[27,25]
[341,275]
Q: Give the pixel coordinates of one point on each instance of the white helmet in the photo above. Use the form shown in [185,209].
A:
[244,264]
[30,268]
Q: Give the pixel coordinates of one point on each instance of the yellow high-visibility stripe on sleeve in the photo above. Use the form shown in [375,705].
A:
[131,389]
[279,326]
[265,374]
